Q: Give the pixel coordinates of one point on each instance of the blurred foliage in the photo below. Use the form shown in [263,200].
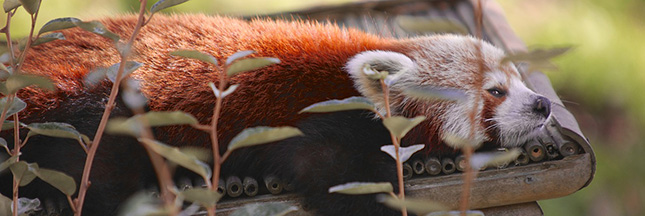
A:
[602,82]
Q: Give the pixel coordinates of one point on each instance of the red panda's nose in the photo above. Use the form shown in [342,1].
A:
[542,106]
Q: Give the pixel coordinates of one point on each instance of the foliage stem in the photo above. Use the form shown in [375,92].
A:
[214,139]
[106,114]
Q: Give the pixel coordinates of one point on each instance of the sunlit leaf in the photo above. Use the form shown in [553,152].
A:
[457,213]
[98,28]
[262,135]
[9,5]
[458,142]
[130,66]
[28,206]
[351,103]
[31,6]
[399,126]
[264,209]
[203,196]
[173,154]
[356,188]
[59,24]
[249,64]
[16,82]
[24,171]
[416,206]
[142,203]
[16,106]
[238,55]
[7,163]
[132,125]
[163,4]
[435,93]
[404,152]
[54,129]
[434,24]
[485,159]
[59,180]
[194,54]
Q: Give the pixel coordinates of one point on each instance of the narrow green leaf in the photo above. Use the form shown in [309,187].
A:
[399,126]
[9,5]
[351,103]
[485,159]
[264,209]
[95,76]
[416,206]
[16,82]
[456,141]
[24,171]
[426,24]
[124,126]
[59,180]
[194,54]
[98,28]
[238,55]
[132,126]
[31,6]
[54,129]
[130,66]
[163,4]
[173,154]
[262,135]
[203,196]
[16,106]
[7,124]
[47,38]
[5,145]
[436,93]
[7,163]
[59,24]
[356,188]
[249,64]
[404,152]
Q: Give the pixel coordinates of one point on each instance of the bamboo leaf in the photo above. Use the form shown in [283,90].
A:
[356,188]
[31,6]
[351,103]
[24,171]
[194,54]
[163,4]
[399,126]
[416,206]
[238,55]
[264,209]
[54,129]
[59,24]
[262,135]
[485,159]
[9,5]
[98,28]
[175,155]
[203,196]
[436,93]
[16,106]
[59,180]
[404,152]
[249,64]
[16,82]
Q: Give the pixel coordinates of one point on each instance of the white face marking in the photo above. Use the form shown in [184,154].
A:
[514,118]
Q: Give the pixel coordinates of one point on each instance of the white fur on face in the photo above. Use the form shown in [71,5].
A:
[514,118]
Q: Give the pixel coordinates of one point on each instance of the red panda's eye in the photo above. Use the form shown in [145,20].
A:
[498,93]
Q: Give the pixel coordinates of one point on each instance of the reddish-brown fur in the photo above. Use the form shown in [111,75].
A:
[313,54]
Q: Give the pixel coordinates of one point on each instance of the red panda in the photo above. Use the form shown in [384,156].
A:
[318,62]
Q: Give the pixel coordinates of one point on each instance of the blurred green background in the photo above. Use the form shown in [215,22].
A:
[602,81]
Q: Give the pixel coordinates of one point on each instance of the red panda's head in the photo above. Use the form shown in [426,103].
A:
[497,106]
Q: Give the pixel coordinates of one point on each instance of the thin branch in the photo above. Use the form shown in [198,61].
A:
[214,140]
